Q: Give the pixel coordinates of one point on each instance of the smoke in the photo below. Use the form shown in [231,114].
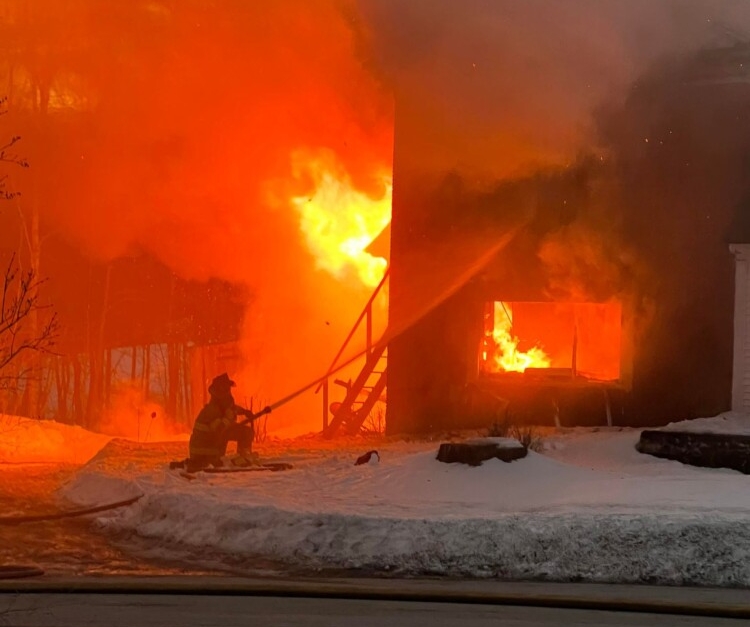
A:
[679,152]
[504,87]
[647,152]
[173,128]
[499,90]
[188,135]
[132,416]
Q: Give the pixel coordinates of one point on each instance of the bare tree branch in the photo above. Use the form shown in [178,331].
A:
[20,301]
[7,155]
[26,324]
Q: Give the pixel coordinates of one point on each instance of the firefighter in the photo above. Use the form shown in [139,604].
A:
[217,425]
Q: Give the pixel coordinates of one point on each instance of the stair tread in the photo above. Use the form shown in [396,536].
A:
[366,393]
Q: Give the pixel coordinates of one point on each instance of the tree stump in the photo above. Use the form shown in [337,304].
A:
[474,452]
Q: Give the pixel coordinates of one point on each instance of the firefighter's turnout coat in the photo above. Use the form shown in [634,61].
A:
[209,436]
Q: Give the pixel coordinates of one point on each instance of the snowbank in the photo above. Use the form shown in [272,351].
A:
[730,423]
[23,440]
[590,509]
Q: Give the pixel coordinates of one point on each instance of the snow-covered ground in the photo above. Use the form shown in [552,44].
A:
[23,440]
[588,508]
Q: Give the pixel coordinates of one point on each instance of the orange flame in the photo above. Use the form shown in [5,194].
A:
[507,357]
[339,223]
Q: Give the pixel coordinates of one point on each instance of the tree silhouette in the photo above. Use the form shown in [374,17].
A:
[20,300]
[8,155]
[20,305]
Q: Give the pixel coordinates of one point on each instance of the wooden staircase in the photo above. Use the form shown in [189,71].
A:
[367,389]
[361,396]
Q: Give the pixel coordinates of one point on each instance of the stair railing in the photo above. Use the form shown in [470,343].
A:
[365,316]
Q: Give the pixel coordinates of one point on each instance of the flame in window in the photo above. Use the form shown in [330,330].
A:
[505,353]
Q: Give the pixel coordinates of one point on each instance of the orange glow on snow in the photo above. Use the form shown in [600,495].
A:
[339,223]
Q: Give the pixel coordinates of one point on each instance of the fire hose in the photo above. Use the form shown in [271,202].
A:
[393,332]
[22,520]
[290,397]
[18,571]
[9,571]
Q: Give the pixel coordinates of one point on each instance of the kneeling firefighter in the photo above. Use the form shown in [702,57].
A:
[217,425]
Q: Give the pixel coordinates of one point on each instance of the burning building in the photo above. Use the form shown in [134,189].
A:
[577,262]
[611,301]
[504,344]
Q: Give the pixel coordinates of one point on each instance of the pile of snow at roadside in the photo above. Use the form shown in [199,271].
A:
[23,440]
[591,508]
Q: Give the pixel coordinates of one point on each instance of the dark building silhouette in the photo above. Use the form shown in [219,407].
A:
[641,237]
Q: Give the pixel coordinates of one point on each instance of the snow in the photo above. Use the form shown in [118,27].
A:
[23,440]
[730,423]
[498,442]
[589,507]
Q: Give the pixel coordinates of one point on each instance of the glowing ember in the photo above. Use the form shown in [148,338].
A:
[339,222]
[507,357]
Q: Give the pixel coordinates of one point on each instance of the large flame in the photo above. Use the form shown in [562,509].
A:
[339,223]
[507,357]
